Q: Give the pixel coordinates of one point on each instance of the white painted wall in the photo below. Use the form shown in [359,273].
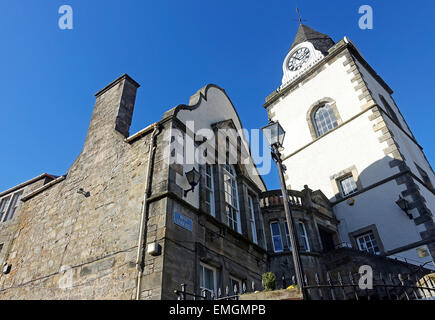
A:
[377,206]
[354,144]
[291,110]
[409,148]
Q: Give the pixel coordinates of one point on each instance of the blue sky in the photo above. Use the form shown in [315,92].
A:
[173,48]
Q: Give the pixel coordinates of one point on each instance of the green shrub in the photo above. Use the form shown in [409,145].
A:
[269,281]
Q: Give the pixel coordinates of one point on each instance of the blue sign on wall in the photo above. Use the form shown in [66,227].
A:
[183,221]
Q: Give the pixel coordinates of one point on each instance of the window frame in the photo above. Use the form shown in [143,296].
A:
[425,177]
[234,206]
[373,241]
[340,185]
[329,110]
[4,207]
[389,110]
[13,205]
[274,236]
[252,222]
[210,190]
[304,236]
[287,236]
[204,266]
[360,232]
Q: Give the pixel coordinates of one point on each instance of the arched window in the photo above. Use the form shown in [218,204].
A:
[231,199]
[324,119]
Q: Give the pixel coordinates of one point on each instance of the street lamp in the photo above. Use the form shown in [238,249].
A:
[275,134]
[404,205]
[193,177]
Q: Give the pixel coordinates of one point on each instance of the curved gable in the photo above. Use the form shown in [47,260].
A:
[211,105]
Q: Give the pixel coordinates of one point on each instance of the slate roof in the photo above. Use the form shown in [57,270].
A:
[321,41]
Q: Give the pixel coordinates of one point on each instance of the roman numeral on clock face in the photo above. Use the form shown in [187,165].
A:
[297,60]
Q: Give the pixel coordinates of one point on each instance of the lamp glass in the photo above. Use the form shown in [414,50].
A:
[193,177]
[274,133]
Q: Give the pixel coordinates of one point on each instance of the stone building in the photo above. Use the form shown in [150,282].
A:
[361,152]
[129,220]
[9,207]
[120,225]
[316,226]
[124,222]
[320,245]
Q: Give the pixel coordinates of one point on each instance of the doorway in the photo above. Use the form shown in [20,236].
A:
[327,238]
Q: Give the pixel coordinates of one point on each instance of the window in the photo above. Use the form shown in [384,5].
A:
[1,247]
[209,190]
[425,177]
[207,280]
[252,220]
[367,242]
[3,207]
[303,236]
[324,120]
[231,199]
[13,206]
[348,186]
[276,237]
[390,110]
[287,235]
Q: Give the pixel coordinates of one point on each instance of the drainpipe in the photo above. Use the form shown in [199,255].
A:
[140,261]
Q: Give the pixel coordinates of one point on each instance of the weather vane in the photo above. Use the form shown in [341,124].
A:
[299,16]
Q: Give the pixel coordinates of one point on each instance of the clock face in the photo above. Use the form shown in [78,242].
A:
[298,59]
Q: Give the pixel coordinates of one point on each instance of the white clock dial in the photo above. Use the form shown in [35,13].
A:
[298,59]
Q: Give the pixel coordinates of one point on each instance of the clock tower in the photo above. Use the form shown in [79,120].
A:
[347,137]
[308,48]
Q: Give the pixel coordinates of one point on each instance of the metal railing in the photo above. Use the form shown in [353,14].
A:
[336,286]
[384,287]
[206,294]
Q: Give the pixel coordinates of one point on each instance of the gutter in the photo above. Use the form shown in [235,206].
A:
[22,185]
[44,187]
[140,261]
[140,133]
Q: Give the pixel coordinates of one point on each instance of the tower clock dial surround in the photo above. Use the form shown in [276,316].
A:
[298,59]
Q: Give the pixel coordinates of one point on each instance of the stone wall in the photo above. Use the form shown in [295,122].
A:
[86,244]
[9,228]
[211,241]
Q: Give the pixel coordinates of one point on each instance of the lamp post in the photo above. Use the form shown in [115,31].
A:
[274,134]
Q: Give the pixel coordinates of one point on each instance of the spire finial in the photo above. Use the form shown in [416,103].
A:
[300,19]
[299,15]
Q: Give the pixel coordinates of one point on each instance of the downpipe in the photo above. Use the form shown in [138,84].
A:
[140,261]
